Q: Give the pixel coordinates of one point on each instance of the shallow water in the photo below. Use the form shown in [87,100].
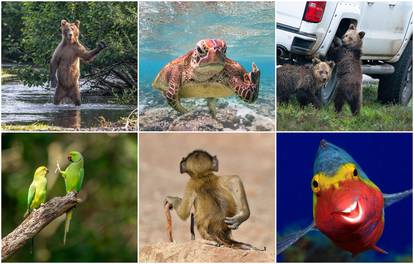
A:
[22,104]
[168,30]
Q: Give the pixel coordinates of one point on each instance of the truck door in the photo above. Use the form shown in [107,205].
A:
[385,24]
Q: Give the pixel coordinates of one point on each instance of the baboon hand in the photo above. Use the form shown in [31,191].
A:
[170,200]
[102,45]
[234,221]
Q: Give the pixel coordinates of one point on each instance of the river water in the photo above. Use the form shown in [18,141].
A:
[22,105]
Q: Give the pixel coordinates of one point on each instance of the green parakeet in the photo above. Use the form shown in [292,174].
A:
[73,176]
[37,192]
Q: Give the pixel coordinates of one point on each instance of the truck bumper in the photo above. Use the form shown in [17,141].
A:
[291,39]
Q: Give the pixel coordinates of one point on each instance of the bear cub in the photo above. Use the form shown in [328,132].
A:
[64,65]
[303,81]
[347,56]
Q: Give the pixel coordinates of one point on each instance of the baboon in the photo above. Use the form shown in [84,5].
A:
[220,202]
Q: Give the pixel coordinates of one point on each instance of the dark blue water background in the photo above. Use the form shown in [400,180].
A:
[385,158]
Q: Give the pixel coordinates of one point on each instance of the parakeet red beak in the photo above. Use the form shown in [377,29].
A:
[69,158]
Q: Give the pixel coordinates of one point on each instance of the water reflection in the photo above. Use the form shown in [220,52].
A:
[22,104]
[68,118]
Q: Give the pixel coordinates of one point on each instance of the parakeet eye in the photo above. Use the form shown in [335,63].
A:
[355,172]
[315,184]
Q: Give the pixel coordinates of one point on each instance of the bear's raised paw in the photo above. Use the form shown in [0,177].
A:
[102,45]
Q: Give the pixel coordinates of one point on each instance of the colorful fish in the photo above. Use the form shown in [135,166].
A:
[347,206]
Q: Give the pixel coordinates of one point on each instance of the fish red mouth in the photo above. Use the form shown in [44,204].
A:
[353,213]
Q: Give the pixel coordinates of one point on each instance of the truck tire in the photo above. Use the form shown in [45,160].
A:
[398,87]
[328,90]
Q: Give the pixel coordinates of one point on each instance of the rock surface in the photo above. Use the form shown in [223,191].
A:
[229,119]
[199,251]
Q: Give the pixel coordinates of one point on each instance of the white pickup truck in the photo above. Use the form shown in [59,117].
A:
[305,29]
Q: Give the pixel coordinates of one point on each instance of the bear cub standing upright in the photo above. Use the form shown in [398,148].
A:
[303,81]
[65,62]
[347,56]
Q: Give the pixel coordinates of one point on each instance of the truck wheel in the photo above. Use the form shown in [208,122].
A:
[328,90]
[398,87]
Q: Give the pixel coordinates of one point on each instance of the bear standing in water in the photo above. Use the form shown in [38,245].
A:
[347,56]
[303,81]
[65,62]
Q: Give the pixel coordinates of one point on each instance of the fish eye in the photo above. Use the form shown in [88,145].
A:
[315,184]
[355,172]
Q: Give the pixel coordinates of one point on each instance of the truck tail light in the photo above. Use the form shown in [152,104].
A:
[314,11]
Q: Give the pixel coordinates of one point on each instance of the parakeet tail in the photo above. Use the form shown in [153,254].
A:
[67,223]
[26,214]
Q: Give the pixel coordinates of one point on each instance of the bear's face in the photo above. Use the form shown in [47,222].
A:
[352,38]
[70,31]
[322,70]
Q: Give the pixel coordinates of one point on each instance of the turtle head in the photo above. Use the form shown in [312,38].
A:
[208,57]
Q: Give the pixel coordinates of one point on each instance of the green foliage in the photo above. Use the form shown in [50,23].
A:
[36,32]
[11,24]
[104,225]
[373,117]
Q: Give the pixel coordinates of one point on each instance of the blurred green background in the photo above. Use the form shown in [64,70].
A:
[104,225]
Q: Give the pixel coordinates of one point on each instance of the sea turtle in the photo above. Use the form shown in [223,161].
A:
[206,72]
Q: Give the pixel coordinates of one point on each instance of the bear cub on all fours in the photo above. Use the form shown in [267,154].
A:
[65,63]
[303,81]
[347,56]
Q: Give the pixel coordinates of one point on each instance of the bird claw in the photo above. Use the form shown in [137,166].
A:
[57,167]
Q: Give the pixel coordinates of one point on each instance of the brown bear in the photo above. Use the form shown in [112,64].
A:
[303,81]
[347,56]
[65,62]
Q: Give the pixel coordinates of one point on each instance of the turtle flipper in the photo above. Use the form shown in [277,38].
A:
[211,102]
[172,93]
[248,88]
[287,241]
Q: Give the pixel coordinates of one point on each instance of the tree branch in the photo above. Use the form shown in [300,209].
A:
[35,222]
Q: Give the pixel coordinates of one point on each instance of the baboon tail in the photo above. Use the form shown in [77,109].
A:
[226,240]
